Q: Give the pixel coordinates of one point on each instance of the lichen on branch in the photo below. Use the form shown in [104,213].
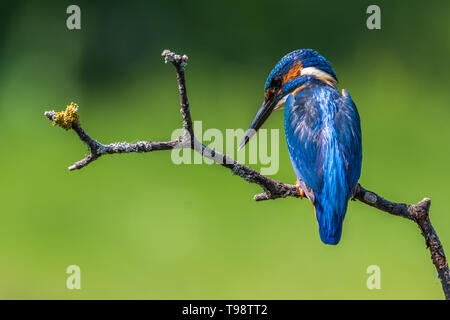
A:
[66,118]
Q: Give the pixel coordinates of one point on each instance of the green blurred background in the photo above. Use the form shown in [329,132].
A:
[141,227]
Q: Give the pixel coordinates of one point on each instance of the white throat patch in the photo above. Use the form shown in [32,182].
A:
[318,73]
[280,104]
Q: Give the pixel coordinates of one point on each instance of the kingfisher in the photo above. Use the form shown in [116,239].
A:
[323,134]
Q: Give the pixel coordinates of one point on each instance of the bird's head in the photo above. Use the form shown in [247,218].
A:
[290,73]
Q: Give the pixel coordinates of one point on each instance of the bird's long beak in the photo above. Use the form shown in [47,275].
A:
[262,115]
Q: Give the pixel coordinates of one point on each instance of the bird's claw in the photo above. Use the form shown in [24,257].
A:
[297,185]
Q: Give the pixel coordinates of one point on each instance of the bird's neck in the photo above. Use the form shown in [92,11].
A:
[319,75]
[300,83]
[306,80]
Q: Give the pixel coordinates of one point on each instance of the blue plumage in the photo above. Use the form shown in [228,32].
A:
[324,142]
[323,134]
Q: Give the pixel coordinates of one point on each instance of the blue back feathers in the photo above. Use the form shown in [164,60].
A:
[324,140]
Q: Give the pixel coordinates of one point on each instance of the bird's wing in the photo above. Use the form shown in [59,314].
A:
[348,127]
[303,135]
[306,138]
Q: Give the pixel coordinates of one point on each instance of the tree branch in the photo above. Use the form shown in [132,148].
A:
[273,189]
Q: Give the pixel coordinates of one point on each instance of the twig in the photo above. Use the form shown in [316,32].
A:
[273,189]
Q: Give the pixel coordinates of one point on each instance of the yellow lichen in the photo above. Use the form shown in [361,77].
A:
[64,119]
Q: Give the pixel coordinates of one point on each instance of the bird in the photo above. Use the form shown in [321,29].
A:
[323,134]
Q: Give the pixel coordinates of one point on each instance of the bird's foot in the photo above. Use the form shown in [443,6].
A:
[297,185]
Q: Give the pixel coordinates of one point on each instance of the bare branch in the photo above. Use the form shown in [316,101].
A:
[98,149]
[273,189]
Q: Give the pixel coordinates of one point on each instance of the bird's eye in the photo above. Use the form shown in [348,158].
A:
[276,83]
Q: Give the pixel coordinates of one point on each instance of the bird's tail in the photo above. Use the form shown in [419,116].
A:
[331,205]
[330,222]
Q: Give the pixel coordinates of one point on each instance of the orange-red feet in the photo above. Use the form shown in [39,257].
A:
[297,185]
